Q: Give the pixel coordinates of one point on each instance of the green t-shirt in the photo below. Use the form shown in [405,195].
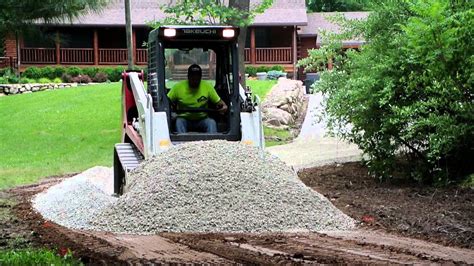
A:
[185,97]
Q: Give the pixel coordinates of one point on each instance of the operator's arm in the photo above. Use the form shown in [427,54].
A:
[215,99]
[221,107]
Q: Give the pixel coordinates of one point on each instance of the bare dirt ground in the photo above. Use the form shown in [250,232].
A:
[391,216]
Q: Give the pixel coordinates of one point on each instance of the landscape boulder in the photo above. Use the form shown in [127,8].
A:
[283,104]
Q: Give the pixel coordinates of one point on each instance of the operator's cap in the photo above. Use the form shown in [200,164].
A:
[194,69]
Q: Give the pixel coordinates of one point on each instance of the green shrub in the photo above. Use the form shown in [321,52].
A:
[3,80]
[27,81]
[33,73]
[277,68]
[252,71]
[3,71]
[263,69]
[108,70]
[406,98]
[59,71]
[48,72]
[57,80]
[114,74]
[90,71]
[74,71]
[44,81]
[9,76]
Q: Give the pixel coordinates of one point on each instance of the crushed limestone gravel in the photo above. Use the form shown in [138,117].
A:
[217,186]
[75,201]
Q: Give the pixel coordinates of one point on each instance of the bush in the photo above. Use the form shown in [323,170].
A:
[84,79]
[406,98]
[48,72]
[277,68]
[73,71]
[4,70]
[100,77]
[27,81]
[3,80]
[66,78]
[44,81]
[90,71]
[263,69]
[57,80]
[274,74]
[59,71]
[33,73]
[116,74]
[252,71]
[108,70]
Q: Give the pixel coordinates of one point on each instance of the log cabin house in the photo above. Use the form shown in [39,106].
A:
[279,36]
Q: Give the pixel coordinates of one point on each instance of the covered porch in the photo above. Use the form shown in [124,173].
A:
[83,47]
[268,46]
[101,46]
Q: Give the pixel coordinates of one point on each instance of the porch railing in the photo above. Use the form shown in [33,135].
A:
[8,62]
[74,55]
[247,55]
[38,55]
[270,55]
[142,56]
[113,56]
[273,55]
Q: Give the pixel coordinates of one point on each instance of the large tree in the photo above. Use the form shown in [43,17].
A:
[337,5]
[215,12]
[406,98]
[18,16]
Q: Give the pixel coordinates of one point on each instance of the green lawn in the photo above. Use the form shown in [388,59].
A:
[57,132]
[261,87]
[276,136]
[63,131]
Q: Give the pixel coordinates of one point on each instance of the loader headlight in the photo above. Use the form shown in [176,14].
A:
[170,32]
[228,33]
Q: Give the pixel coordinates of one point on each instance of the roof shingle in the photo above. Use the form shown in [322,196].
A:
[282,12]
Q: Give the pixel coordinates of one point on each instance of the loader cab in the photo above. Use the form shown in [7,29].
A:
[172,49]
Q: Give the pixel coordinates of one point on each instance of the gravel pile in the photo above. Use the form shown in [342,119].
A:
[216,186]
[75,201]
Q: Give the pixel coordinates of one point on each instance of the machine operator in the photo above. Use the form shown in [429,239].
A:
[194,93]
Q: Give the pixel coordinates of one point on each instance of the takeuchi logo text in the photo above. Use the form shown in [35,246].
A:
[199,31]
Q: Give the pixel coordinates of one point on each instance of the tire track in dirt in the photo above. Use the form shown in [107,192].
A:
[360,246]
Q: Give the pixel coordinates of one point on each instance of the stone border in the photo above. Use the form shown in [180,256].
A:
[10,89]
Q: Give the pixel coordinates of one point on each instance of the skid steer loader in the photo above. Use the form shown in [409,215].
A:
[147,116]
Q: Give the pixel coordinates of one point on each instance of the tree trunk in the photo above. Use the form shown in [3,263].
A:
[245,6]
[128,25]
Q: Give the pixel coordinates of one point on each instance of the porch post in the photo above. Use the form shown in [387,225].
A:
[58,48]
[134,46]
[294,51]
[96,48]
[253,56]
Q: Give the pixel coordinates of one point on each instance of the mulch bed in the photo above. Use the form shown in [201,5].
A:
[443,215]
